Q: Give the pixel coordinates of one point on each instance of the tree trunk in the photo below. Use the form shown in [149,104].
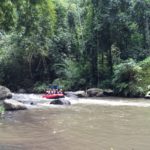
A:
[94,67]
[110,64]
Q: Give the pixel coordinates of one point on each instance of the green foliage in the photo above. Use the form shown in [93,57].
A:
[40,87]
[126,78]
[38,36]
[25,52]
[2,110]
[145,74]
[8,15]
[106,84]
[70,75]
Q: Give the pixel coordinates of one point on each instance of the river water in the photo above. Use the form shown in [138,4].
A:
[88,124]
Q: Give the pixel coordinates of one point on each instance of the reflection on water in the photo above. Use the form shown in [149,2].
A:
[98,126]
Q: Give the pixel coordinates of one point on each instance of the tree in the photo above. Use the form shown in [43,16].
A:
[126,78]
[8,15]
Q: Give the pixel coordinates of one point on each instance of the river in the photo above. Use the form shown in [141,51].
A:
[88,124]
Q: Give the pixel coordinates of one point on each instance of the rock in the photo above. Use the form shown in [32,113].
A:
[21,91]
[95,92]
[80,93]
[69,93]
[60,102]
[75,94]
[147,95]
[13,105]
[4,93]
[108,92]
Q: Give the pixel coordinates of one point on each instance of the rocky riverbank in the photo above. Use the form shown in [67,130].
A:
[5,93]
[20,102]
[92,92]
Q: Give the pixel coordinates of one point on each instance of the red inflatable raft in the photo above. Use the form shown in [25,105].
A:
[53,96]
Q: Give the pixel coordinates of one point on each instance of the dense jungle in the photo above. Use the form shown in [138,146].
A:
[77,44]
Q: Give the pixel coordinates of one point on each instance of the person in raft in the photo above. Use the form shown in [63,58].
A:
[60,91]
[54,90]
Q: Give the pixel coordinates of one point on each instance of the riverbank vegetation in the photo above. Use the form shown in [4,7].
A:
[75,43]
[2,111]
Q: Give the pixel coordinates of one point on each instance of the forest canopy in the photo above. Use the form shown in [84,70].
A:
[75,43]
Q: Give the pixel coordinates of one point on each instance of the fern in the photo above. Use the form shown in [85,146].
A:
[126,78]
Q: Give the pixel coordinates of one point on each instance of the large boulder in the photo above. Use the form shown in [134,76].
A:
[4,93]
[108,92]
[75,94]
[80,93]
[60,102]
[69,93]
[11,104]
[147,95]
[95,92]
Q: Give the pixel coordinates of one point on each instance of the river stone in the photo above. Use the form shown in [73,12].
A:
[148,87]
[108,92]
[69,93]
[4,93]
[60,102]
[95,92]
[147,95]
[11,104]
[80,93]
[22,91]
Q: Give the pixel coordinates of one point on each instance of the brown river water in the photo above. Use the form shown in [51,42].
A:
[89,124]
